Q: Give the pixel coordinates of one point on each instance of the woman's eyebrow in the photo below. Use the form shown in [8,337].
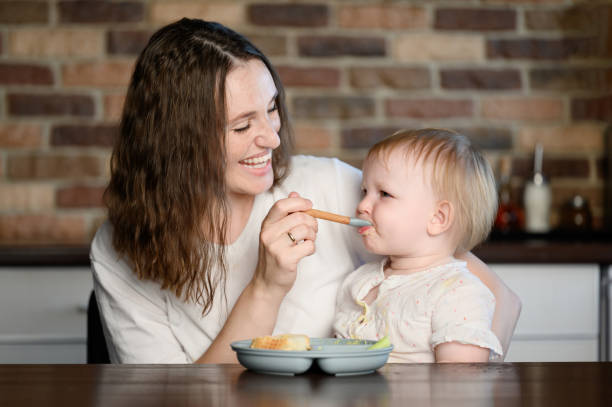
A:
[251,113]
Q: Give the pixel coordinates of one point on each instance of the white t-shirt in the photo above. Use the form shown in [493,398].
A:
[418,311]
[145,324]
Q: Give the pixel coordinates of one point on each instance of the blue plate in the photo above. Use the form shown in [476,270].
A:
[334,356]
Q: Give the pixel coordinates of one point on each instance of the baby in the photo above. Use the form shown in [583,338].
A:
[429,194]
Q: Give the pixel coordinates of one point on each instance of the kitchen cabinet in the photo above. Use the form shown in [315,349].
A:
[44,314]
[560,316]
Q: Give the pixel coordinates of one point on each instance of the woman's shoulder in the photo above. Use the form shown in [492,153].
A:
[308,165]
[102,243]
[322,175]
[103,255]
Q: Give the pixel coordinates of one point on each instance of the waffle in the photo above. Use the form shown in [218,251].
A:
[282,342]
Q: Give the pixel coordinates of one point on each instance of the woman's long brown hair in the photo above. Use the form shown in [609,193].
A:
[166,197]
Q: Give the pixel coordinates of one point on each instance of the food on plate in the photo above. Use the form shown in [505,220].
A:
[383,343]
[282,342]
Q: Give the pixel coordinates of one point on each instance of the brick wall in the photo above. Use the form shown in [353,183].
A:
[507,73]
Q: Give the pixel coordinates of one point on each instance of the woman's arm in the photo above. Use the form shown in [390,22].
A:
[256,310]
[507,303]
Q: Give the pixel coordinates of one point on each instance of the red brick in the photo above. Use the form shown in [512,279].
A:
[54,42]
[80,197]
[333,107]
[270,45]
[382,16]
[26,197]
[309,77]
[113,106]
[565,79]
[51,166]
[426,47]
[331,46]
[42,229]
[488,138]
[21,104]
[20,135]
[23,12]
[100,12]
[598,108]
[364,137]
[84,135]
[429,108]
[475,19]
[111,73]
[539,48]
[523,109]
[575,137]
[553,167]
[295,15]
[25,74]
[126,42]
[232,14]
[390,77]
[312,137]
[488,79]
[576,18]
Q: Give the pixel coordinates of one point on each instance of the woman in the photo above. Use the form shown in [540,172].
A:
[206,241]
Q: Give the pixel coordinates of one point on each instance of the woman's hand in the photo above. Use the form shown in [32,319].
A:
[287,236]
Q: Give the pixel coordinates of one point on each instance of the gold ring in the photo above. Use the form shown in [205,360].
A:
[291,237]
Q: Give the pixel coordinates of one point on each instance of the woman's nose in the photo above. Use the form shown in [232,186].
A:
[268,134]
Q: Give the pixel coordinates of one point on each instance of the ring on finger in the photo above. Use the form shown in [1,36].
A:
[291,237]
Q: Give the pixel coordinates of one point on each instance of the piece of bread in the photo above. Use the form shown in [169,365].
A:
[282,342]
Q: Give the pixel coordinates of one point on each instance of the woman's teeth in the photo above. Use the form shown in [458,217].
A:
[258,162]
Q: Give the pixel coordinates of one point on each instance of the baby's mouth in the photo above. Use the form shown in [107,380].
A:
[257,162]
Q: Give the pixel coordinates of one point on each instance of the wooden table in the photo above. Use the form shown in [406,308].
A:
[503,384]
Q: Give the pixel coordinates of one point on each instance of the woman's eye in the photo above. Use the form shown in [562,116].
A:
[273,108]
[242,129]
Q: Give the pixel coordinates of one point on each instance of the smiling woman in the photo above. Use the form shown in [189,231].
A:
[207,241]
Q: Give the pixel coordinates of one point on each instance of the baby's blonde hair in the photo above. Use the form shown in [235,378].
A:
[460,174]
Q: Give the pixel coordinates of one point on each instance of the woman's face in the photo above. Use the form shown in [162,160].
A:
[252,129]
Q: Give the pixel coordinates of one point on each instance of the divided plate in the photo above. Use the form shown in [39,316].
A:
[334,356]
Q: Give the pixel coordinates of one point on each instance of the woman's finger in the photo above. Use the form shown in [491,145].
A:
[301,232]
[283,207]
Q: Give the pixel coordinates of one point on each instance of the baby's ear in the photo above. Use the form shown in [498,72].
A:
[441,219]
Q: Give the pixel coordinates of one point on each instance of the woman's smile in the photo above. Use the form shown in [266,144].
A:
[259,161]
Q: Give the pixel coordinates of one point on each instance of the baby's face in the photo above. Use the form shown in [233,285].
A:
[398,202]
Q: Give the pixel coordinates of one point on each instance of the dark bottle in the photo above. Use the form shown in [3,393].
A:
[510,216]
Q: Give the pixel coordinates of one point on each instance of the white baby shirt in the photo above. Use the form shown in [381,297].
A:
[418,311]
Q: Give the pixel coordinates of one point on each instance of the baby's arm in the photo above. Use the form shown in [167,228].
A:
[461,321]
[455,352]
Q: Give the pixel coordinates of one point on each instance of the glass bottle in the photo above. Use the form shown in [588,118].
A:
[510,217]
[537,197]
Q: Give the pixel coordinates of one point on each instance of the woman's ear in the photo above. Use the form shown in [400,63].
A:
[441,219]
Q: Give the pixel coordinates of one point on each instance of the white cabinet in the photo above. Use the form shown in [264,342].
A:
[43,317]
[560,316]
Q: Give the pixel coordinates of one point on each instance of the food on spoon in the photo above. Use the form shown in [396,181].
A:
[282,342]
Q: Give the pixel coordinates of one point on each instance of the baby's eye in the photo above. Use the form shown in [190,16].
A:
[364,192]
[385,194]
